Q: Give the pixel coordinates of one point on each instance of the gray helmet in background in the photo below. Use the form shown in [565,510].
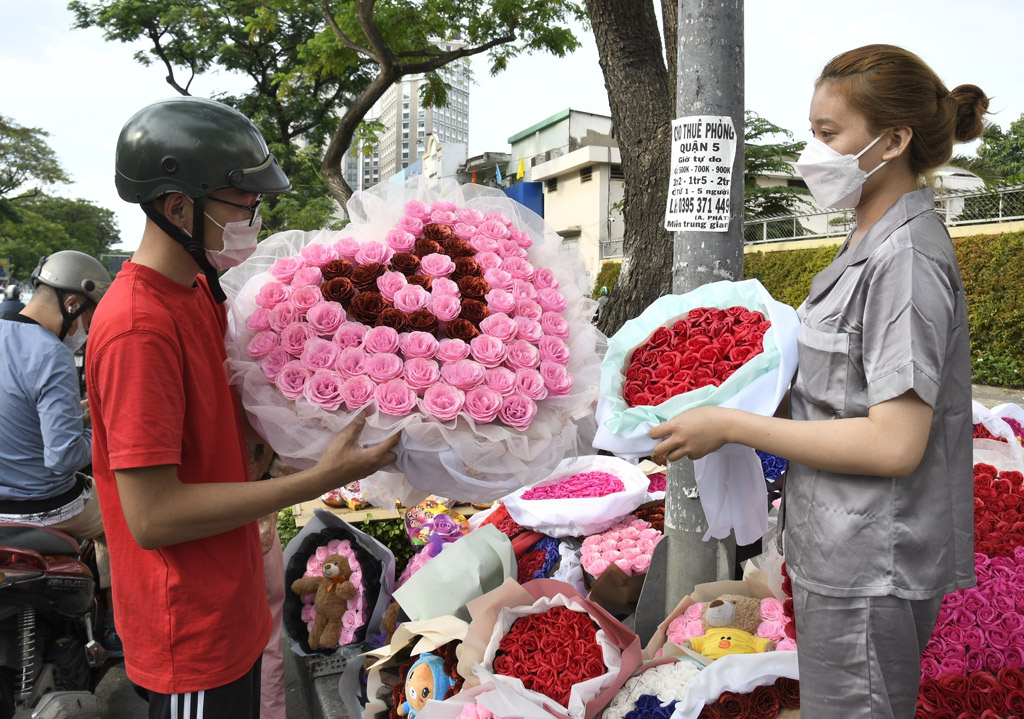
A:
[193,146]
[76,273]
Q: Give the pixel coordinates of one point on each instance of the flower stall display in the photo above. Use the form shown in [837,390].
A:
[1013,415]
[444,312]
[547,644]
[725,344]
[990,428]
[540,561]
[764,702]
[772,624]
[583,496]
[654,690]
[615,563]
[372,574]
[982,694]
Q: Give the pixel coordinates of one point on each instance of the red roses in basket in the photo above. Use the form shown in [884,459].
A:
[551,652]
[703,348]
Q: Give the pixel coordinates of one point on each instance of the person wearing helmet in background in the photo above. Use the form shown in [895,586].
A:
[12,300]
[602,300]
[46,437]
[169,450]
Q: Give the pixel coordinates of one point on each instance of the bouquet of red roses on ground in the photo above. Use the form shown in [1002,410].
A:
[726,344]
[442,311]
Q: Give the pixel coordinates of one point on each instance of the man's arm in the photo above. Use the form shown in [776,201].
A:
[67,445]
[161,510]
[889,442]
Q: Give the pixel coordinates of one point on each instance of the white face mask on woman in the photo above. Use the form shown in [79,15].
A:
[835,180]
[239,242]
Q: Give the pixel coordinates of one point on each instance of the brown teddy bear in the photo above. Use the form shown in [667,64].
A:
[333,590]
[729,626]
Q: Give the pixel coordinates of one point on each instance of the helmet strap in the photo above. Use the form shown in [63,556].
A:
[68,318]
[193,245]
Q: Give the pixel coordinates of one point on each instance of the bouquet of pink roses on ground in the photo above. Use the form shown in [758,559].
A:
[446,312]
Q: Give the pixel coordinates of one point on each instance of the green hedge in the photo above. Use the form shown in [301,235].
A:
[992,267]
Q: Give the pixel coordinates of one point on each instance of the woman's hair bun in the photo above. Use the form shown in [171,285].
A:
[971,105]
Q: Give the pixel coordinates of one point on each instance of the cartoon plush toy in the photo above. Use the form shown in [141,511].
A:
[426,680]
[729,623]
[333,590]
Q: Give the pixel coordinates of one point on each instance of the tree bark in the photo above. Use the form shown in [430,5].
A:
[639,91]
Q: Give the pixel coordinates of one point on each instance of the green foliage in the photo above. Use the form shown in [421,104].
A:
[391,533]
[286,528]
[762,157]
[992,275]
[26,157]
[606,277]
[1003,152]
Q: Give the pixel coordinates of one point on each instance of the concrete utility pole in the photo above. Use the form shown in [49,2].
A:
[709,81]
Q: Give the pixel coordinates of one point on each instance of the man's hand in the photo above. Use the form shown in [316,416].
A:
[345,461]
[694,433]
[86,417]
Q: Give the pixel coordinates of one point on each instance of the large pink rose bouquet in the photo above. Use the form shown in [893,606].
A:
[447,312]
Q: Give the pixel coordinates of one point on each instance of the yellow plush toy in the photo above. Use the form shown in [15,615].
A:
[730,622]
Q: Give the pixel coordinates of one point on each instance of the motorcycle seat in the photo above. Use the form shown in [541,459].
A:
[48,542]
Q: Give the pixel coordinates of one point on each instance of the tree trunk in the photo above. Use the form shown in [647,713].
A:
[639,91]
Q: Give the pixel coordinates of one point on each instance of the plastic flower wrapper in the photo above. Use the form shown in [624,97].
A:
[590,504]
[1013,415]
[376,566]
[615,563]
[483,358]
[494,615]
[494,701]
[664,679]
[730,481]
[998,432]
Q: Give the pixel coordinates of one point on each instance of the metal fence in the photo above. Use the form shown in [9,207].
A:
[956,208]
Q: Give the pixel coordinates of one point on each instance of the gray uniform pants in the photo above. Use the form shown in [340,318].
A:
[860,657]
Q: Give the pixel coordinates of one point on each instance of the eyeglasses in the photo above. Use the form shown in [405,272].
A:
[253,208]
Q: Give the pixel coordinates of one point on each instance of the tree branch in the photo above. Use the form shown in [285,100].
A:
[414,68]
[344,39]
[155,36]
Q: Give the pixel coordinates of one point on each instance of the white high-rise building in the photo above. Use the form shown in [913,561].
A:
[408,124]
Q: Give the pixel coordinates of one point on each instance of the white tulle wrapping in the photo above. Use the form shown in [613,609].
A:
[454,459]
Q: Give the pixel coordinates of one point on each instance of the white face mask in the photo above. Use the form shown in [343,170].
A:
[74,340]
[835,180]
[239,242]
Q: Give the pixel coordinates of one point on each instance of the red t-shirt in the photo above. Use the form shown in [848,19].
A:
[193,615]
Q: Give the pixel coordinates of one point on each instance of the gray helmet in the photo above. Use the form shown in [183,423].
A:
[193,146]
[74,272]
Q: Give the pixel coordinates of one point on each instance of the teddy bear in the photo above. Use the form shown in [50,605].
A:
[729,625]
[426,680]
[333,590]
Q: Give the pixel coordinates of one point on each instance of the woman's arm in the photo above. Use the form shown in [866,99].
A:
[889,442]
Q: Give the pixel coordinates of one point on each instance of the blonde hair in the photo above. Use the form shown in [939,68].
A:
[893,87]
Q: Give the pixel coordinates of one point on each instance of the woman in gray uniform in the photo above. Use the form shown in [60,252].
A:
[878,510]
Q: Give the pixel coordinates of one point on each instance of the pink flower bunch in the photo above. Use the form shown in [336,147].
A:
[657,481]
[578,486]
[773,624]
[628,545]
[472,710]
[981,628]
[446,317]
[357,613]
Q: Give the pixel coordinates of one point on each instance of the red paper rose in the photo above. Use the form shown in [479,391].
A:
[393,317]
[336,268]
[461,329]
[405,262]
[473,288]
[789,692]
[475,311]
[424,281]
[367,306]
[423,321]
[340,290]
[438,233]
[426,247]
[365,276]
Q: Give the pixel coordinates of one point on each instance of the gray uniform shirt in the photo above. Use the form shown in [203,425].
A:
[886,317]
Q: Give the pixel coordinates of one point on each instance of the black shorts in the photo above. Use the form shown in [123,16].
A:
[238,700]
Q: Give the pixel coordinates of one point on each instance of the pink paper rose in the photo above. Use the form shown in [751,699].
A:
[510,248]
[324,389]
[418,344]
[274,362]
[412,225]
[412,298]
[641,564]
[347,247]
[395,398]
[500,301]
[272,294]
[501,379]
[307,276]
[262,344]
[452,350]
[498,279]
[464,374]
[381,339]
[444,217]
[519,268]
[284,269]
[530,310]
[494,229]
[445,307]
[463,231]
[531,384]
[421,373]
[325,318]
[305,298]
[391,282]
[295,336]
[500,326]
[488,260]
[371,252]
[483,243]
[259,320]
[555,325]
[351,362]
[319,354]
[522,239]
[292,379]
[517,411]
[544,279]
[400,240]
[445,286]
[358,391]
[470,216]
[443,402]
[417,209]
[318,255]
[529,330]
[523,290]
[487,350]
[437,265]
[552,349]
[551,300]
[383,367]
[522,355]
[350,334]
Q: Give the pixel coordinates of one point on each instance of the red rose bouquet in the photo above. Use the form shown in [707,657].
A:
[444,312]
[725,344]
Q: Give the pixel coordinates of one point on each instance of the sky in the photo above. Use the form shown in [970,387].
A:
[81,89]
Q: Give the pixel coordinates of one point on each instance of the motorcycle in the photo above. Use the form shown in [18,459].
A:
[50,658]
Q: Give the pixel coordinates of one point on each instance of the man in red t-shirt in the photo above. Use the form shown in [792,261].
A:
[169,435]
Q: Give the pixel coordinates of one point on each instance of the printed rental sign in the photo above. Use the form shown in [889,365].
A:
[703,150]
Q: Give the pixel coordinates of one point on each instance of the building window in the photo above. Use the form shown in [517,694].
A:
[586,174]
[571,245]
[551,185]
[617,173]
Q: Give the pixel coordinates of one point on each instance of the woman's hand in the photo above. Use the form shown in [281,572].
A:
[694,433]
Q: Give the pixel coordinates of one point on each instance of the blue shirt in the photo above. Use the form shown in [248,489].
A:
[42,438]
